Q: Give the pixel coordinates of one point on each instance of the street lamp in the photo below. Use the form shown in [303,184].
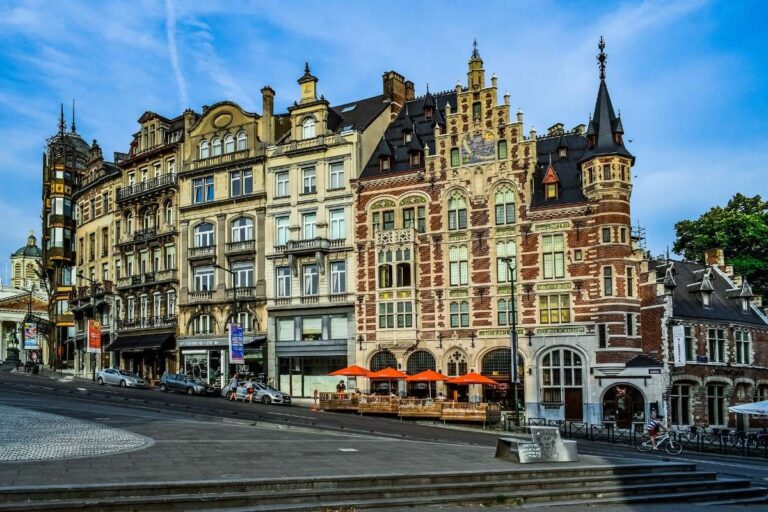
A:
[513,337]
[234,299]
[20,336]
[87,331]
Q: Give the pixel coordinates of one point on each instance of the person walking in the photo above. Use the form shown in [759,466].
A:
[249,391]
[233,387]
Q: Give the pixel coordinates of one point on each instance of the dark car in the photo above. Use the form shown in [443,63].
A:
[184,384]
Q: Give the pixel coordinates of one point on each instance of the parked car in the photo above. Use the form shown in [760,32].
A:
[184,384]
[122,378]
[269,395]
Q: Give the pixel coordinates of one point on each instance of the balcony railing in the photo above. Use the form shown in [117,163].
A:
[241,292]
[310,299]
[220,159]
[94,290]
[201,296]
[309,144]
[304,246]
[244,246]
[167,275]
[154,322]
[154,184]
[201,252]
[144,235]
[334,298]
[396,236]
[147,278]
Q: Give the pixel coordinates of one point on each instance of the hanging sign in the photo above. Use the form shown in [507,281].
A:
[94,336]
[678,344]
[236,351]
[30,337]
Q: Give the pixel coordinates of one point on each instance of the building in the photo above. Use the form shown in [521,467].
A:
[65,156]
[146,238]
[458,209]
[26,266]
[93,300]
[705,324]
[221,223]
[310,233]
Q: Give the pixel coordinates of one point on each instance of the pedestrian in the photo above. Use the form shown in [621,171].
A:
[654,427]
[315,399]
[232,395]
[249,391]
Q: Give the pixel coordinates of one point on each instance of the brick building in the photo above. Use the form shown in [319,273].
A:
[455,188]
[706,327]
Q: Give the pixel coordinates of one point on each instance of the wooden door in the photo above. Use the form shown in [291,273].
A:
[574,410]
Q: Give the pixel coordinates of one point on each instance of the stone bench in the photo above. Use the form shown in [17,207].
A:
[545,445]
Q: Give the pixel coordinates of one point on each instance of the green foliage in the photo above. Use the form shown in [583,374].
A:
[740,229]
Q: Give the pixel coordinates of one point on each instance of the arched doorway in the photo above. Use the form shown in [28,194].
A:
[379,361]
[623,404]
[418,362]
[562,382]
[496,365]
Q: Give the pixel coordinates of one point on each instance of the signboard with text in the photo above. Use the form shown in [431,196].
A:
[31,341]
[94,336]
[236,350]
[678,344]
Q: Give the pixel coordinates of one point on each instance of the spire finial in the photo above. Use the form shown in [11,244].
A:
[73,116]
[475,53]
[306,67]
[62,123]
[427,87]
[601,58]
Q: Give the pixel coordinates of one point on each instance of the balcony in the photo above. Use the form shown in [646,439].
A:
[304,246]
[144,235]
[242,293]
[147,235]
[94,290]
[396,236]
[155,322]
[145,187]
[218,160]
[146,278]
[299,146]
[208,251]
[201,296]
[245,246]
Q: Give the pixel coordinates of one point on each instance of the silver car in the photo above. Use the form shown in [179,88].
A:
[121,378]
[269,395]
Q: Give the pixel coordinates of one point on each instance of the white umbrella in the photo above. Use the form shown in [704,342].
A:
[758,408]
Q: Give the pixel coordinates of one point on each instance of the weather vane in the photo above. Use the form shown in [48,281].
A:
[601,58]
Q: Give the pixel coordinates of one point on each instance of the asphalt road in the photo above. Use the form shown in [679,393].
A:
[48,393]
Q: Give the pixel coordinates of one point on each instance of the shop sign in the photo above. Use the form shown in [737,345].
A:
[94,336]
[553,286]
[678,343]
[236,350]
[31,341]
[496,333]
[458,293]
[557,331]
[552,226]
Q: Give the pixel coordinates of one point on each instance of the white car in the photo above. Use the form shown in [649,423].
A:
[121,378]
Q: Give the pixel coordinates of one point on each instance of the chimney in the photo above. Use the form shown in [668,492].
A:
[410,91]
[189,120]
[394,90]
[717,257]
[268,111]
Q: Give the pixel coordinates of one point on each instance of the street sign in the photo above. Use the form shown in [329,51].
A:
[236,350]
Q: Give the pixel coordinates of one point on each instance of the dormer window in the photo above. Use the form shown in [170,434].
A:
[427,112]
[384,163]
[407,136]
[308,128]
[562,152]
[705,299]
[745,305]
[551,191]
[415,159]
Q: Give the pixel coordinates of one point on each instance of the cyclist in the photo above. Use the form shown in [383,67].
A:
[654,427]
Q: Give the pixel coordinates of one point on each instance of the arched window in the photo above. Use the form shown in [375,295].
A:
[204,235]
[242,229]
[561,369]
[157,305]
[242,140]
[383,359]
[308,128]
[170,303]
[148,220]
[229,143]
[143,307]
[201,324]
[168,212]
[420,361]
[244,319]
[457,364]
[457,212]
[205,150]
[216,147]
[505,206]
[128,223]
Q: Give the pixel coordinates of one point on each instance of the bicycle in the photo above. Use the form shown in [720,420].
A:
[671,445]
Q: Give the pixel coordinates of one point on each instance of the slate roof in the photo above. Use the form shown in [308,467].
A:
[567,169]
[686,301]
[411,116]
[604,124]
[358,118]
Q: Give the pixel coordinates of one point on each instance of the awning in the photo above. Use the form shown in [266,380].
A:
[255,340]
[138,343]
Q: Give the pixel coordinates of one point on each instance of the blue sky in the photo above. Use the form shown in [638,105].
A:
[690,77]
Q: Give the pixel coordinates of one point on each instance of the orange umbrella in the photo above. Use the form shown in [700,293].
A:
[351,371]
[388,374]
[472,378]
[428,376]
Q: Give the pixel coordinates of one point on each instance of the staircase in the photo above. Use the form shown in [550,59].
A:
[594,485]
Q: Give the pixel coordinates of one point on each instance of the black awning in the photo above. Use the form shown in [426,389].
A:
[259,339]
[138,343]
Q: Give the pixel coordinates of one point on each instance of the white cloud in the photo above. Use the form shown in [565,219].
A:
[170,29]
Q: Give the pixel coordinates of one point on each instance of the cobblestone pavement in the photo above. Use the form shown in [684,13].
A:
[31,435]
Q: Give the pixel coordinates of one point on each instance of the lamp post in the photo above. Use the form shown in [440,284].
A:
[513,338]
[29,313]
[232,322]
[87,331]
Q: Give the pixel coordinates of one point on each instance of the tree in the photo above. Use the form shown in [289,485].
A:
[740,229]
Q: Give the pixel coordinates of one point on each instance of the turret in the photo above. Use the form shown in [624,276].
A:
[476,73]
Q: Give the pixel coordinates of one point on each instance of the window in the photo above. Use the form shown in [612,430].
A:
[505,268]
[690,344]
[310,280]
[680,402]
[282,232]
[407,135]
[561,368]
[244,320]
[415,159]
[455,160]
[339,327]
[105,206]
[242,229]
[311,328]
[168,212]
[309,179]
[553,248]
[457,364]
[630,324]
[240,183]
[505,206]
[285,329]
[388,217]
[104,272]
[309,225]
[404,314]
[283,281]
[415,218]
[204,279]
[716,339]
[131,310]
[476,110]
[202,324]
[743,347]
[623,235]
[630,282]
[281,184]
[205,152]
[338,277]
[403,274]
[457,212]
[387,315]
[385,269]
[202,190]
[242,141]
[502,146]
[555,309]
[170,257]
[170,303]
[602,336]
[716,404]
[242,276]
[505,312]
[459,265]
[460,314]
[171,164]
[229,143]
[204,235]
[337,175]
[216,147]
[606,172]
[606,235]
[420,361]
[128,223]
[308,128]
[607,281]
[550,190]
[157,301]
[337,224]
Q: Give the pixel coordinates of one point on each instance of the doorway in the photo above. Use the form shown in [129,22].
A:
[574,405]
[623,404]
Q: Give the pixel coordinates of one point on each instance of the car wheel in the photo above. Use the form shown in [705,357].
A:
[266,400]
[190,391]
[163,388]
[100,381]
[122,384]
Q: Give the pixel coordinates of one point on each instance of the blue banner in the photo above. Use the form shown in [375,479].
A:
[236,350]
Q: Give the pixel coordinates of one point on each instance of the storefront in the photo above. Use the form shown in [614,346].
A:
[147,355]
[205,358]
[623,404]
